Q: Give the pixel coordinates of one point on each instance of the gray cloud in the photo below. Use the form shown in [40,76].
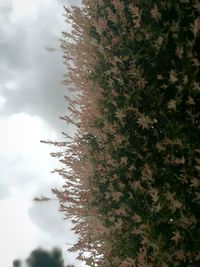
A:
[47,218]
[37,72]
[45,215]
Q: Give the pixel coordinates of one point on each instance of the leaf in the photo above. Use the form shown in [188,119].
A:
[126,263]
[116,196]
[120,115]
[197,167]
[197,150]
[121,211]
[179,161]
[111,15]
[118,225]
[197,160]
[196,26]
[190,101]
[173,76]
[136,14]
[155,13]
[98,228]
[147,174]
[160,147]
[197,258]
[159,77]
[131,167]
[144,121]
[154,194]
[176,237]
[197,5]
[137,218]
[195,183]
[123,160]
[102,24]
[172,104]
[180,255]
[135,11]
[175,204]
[197,198]
[137,232]
[179,52]
[118,5]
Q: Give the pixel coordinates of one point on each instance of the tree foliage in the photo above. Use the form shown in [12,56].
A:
[132,171]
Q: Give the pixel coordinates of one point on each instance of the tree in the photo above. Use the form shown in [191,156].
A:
[132,171]
[42,258]
[16,263]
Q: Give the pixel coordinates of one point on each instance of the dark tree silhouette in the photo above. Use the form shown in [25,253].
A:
[43,258]
[16,263]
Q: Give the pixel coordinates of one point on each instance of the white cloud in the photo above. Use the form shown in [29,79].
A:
[24,8]
[11,85]
[25,161]
[30,9]
[2,101]
[21,133]
[17,231]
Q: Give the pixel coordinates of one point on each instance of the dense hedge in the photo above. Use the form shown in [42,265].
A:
[132,171]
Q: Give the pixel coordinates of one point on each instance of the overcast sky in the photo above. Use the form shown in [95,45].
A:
[31,102]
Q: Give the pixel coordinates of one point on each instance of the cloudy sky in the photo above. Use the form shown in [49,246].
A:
[31,101]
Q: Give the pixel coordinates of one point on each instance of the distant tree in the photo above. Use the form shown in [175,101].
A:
[42,258]
[16,263]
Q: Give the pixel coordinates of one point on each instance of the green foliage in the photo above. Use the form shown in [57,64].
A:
[134,184]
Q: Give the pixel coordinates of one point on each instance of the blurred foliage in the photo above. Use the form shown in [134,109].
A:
[43,258]
[17,263]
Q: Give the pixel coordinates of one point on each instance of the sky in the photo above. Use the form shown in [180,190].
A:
[31,102]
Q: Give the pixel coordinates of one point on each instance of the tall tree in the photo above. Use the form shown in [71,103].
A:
[132,171]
